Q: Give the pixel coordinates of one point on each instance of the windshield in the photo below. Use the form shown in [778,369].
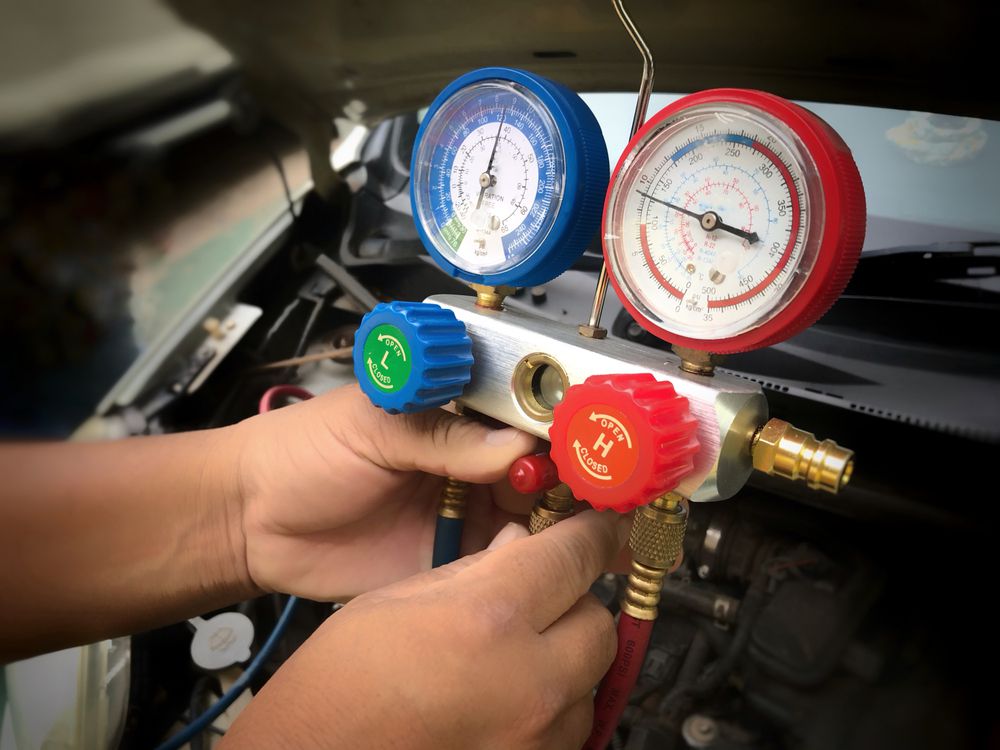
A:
[928,177]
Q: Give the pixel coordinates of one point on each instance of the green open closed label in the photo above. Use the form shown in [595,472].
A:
[387,358]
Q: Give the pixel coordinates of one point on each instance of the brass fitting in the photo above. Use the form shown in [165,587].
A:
[779,449]
[453,495]
[656,541]
[696,361]
[592,332]
[491,297]
[555,505]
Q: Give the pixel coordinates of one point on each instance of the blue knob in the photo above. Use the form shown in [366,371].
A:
[412,356]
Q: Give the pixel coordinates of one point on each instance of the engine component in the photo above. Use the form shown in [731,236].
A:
[221,641]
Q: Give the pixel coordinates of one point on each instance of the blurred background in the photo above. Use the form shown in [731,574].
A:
[133,167]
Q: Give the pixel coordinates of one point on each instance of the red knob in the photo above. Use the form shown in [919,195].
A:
[530,474]
[621,441]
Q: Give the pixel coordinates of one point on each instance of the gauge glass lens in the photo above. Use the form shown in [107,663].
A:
[490,173]
[709,225]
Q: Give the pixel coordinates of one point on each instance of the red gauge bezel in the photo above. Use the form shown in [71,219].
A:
[842,195]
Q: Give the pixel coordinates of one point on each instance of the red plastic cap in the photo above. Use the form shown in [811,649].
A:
[621,441]
[530,474]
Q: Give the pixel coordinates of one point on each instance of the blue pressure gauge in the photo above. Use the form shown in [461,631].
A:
[508,177]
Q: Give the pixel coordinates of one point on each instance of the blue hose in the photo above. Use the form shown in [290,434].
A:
[447,541]
[200,724]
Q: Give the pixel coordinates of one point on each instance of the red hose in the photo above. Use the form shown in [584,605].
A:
[616,687]
[278,391]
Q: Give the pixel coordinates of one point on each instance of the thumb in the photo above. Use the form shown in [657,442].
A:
[437,442]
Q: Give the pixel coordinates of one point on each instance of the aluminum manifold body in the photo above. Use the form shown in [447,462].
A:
[728,410]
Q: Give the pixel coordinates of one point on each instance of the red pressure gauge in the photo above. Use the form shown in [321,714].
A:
[734,219]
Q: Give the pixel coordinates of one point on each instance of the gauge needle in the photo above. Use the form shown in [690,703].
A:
[709,220]
[486,178]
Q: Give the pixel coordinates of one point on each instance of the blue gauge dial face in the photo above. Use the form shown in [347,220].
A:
[489,177]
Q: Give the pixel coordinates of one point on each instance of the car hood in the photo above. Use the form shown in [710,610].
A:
[367,60]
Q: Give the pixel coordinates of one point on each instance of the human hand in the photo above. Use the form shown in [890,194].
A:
[498,650]
[339,497]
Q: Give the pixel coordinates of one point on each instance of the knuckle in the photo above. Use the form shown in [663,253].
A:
[489,619]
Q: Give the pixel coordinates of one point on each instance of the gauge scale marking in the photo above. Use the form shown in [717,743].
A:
[492,223]
[509,170]
[734,177]
[733,220]
[727,188]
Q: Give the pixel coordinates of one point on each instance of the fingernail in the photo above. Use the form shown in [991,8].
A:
[508,534]
[624,529]
[505,436]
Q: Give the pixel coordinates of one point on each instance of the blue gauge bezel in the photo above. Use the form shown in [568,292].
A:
[585,182]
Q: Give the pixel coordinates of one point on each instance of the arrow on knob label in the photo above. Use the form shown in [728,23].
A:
[387,356]
[602,446]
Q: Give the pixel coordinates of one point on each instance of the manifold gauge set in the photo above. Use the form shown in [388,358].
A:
[732,220]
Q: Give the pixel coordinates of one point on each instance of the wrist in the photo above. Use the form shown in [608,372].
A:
[223,503]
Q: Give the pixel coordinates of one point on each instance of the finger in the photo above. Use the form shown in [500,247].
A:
[498,537]
[543,576]
[572,728]
[483,519]
[583,643]
[433,441]
[622,562]
[507,498]
[508,534]
[421,581]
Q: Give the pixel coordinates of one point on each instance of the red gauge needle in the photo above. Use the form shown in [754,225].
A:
[486,179]
[709,220]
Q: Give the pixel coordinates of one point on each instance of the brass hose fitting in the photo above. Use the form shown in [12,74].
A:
[491,297]
[453,496]
[656,541]
[779,449]
[554,506]
[695,361]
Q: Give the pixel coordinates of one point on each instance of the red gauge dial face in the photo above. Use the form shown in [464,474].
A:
[717,220]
